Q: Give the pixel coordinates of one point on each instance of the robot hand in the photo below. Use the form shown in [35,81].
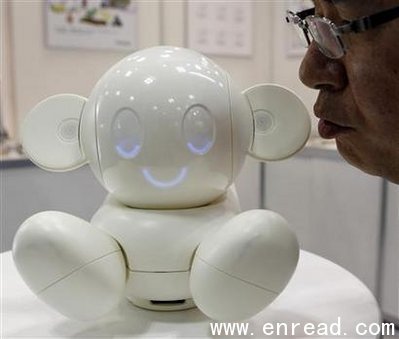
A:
[244,266]
[70,265]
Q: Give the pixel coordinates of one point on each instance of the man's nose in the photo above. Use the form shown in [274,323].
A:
[320,72]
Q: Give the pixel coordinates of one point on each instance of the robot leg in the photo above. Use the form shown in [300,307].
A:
[69,264]
[243,266]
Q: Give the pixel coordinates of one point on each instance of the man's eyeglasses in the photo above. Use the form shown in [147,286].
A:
[327,35]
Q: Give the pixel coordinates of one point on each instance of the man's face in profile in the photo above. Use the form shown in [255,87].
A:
[358,102]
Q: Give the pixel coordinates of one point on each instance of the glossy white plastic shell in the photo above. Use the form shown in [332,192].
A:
[177,104]
[160,244]
[71,265]
[282,122]
[166,132]
[50,133]
[163,123]
[253,255]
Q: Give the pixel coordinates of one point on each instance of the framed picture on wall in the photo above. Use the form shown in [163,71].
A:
[295,47]
[220,27]
[91,24]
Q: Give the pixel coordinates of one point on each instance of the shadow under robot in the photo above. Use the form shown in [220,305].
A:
[166,132]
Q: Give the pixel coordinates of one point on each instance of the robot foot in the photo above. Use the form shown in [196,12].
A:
[69,264]
[244,266]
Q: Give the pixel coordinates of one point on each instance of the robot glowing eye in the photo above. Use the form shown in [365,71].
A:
[199,130]
[127,133]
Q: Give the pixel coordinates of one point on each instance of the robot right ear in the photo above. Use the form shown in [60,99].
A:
[50,133]
[282,122]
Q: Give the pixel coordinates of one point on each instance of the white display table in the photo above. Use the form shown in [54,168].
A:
[319,292]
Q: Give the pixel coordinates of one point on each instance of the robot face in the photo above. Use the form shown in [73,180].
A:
[164,129]
[197,133]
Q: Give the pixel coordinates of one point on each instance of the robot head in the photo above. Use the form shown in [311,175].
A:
[165,128]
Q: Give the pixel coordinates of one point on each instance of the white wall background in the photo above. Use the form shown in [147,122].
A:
[6,84]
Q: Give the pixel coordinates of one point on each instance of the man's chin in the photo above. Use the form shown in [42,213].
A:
[354,156]
[363,159]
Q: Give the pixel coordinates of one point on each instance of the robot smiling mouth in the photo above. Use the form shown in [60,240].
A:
[165,183]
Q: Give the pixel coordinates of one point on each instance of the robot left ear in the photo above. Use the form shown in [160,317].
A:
[50,133]
[282,122]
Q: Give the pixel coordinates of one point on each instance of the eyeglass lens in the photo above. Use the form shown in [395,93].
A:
[324,36]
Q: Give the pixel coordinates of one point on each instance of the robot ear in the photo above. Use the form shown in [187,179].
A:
[50,133]
[282,123]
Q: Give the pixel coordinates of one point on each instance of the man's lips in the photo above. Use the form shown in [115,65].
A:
[329,130]
[330,125]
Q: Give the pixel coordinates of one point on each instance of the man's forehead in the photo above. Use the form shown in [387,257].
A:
[331,1]
[317,3]
[351,9]
[359,4]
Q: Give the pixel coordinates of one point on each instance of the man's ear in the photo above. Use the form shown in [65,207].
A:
[281,122]
[50,133]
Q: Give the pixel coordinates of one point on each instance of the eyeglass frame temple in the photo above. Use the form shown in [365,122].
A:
[355,26]
[369,22]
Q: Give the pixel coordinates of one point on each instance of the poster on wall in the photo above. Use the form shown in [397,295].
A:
[91,24]
[220,28]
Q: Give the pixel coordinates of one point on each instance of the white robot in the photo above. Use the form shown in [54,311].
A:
[166,132]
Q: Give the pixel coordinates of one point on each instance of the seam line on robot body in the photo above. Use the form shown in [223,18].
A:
[234,277]
[231,179]
[77,269]
[139,271]
[98,157]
